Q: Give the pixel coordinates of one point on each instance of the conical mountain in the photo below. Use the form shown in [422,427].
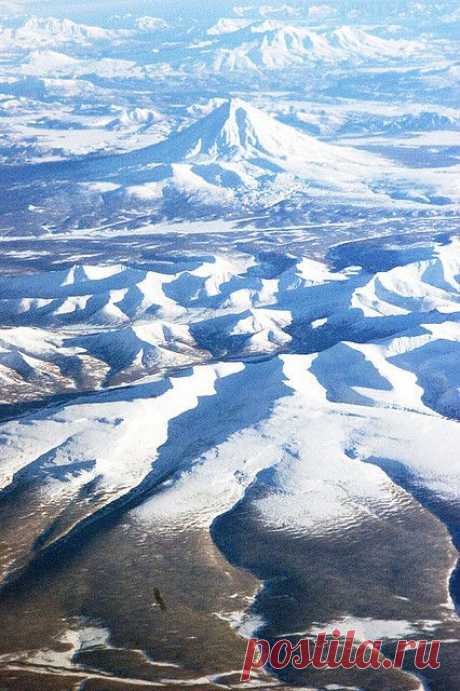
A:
[238,149]
[236,131]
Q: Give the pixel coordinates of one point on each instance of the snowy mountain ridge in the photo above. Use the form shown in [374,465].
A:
[277,45]
[39,32]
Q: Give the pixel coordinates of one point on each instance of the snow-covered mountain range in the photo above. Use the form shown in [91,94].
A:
[229,340]
[156,320]
[275,44]
[41,32]
[351,366]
